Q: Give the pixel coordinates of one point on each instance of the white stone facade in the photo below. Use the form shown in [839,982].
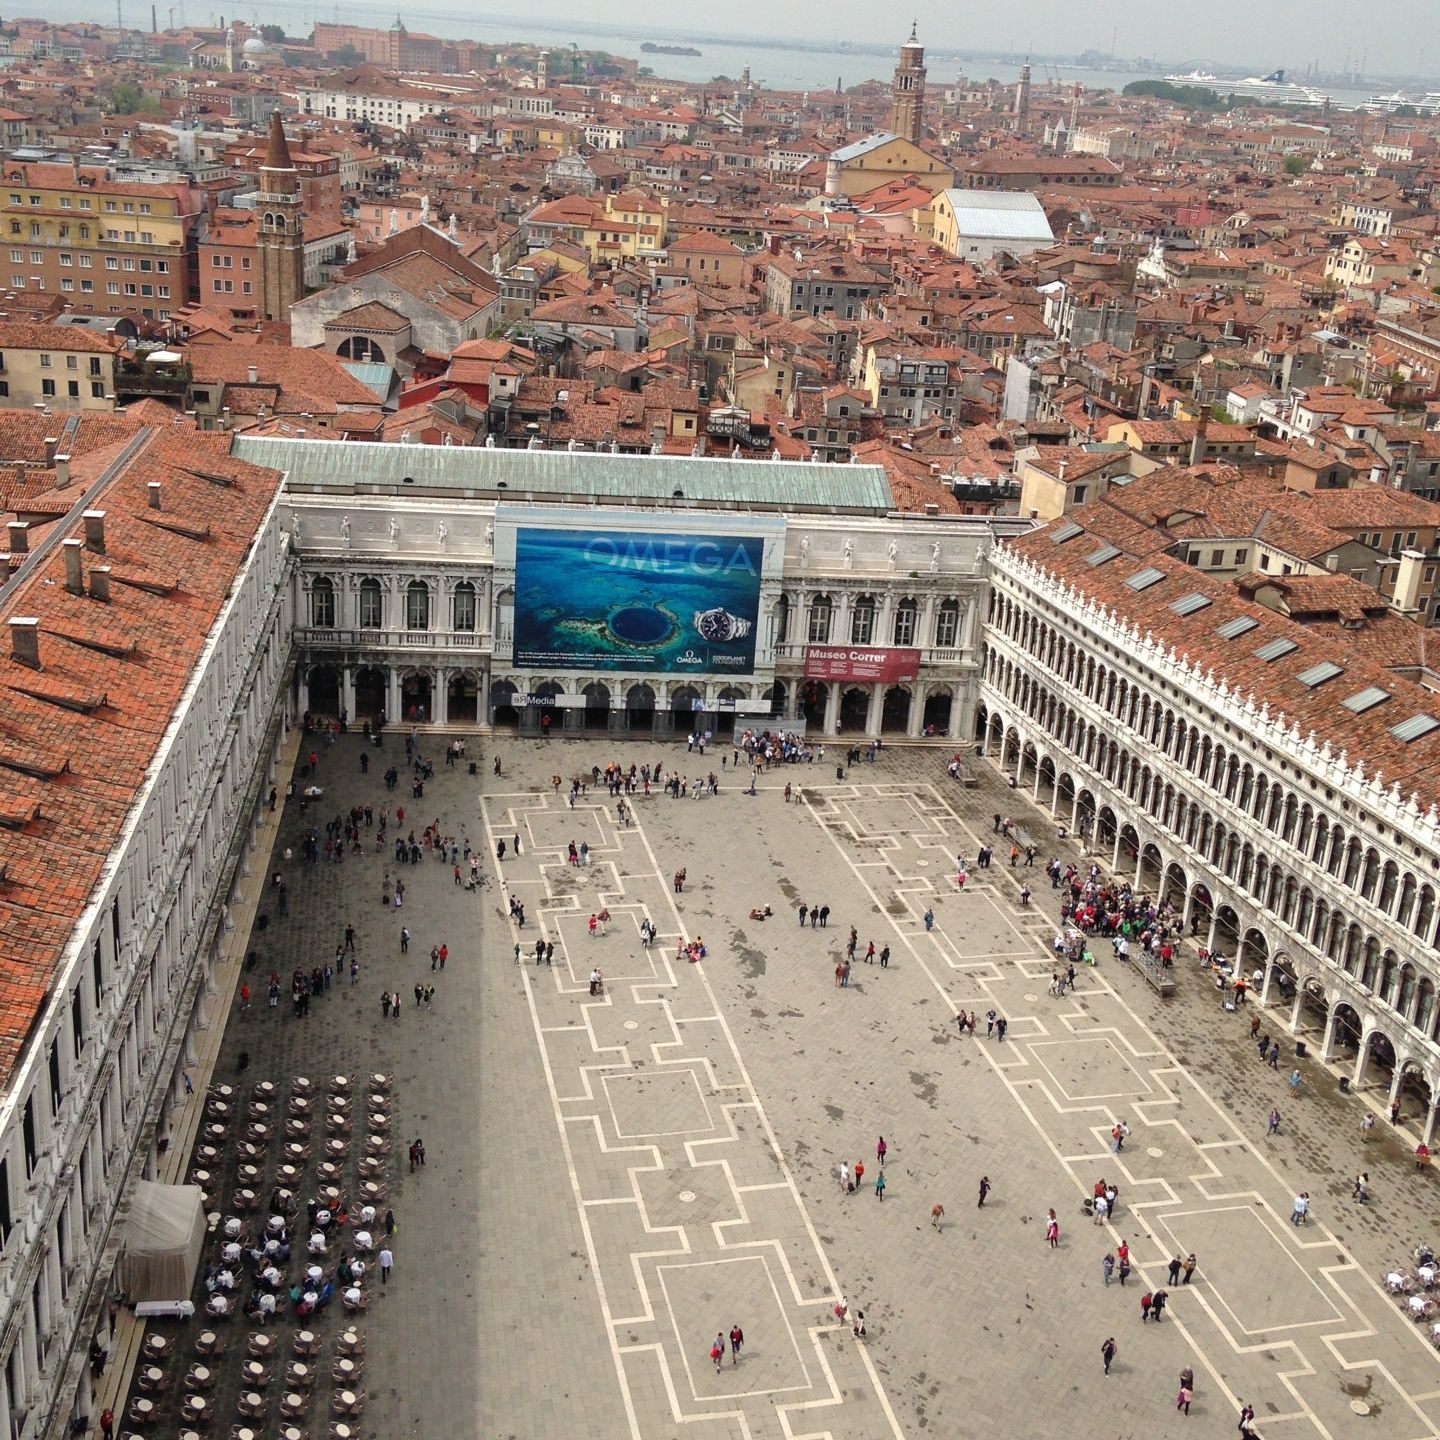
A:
[90,1100]
[1273,847]
[397,608]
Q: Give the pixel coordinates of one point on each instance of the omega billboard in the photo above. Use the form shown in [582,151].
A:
[860,662]
[601,592]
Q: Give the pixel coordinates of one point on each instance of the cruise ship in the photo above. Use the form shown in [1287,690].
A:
[1272,89]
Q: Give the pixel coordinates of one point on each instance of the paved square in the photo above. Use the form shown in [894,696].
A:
[614,1179]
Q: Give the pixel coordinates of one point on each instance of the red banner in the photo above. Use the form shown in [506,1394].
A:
[855,662]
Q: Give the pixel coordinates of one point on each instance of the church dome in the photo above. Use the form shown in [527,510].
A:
[254,46]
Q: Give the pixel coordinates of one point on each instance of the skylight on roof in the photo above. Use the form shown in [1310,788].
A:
[1319,674]
[1415,727]
[1068,531]
[1145,578]
[1104,553]
[1189,604]
[1366,699]
[1234,629]
[1275,649]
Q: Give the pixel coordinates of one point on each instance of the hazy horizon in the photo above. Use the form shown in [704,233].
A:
[1227,32]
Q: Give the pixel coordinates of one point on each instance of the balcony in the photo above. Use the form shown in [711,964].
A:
[323,637]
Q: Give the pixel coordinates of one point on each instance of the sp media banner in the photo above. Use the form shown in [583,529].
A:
[662,601]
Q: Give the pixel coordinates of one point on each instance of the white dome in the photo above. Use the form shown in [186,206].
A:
[254,46]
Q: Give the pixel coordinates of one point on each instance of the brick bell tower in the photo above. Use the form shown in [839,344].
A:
[907,91]
[281,238]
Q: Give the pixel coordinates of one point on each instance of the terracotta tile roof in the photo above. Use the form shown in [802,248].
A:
[77,737]
[1414,766]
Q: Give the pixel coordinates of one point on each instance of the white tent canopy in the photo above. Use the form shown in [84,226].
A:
[163,1240]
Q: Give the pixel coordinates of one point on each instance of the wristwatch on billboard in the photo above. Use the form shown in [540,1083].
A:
[720,625]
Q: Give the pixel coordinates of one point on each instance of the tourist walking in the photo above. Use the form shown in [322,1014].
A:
[1107,1352]
[387,1259]
[984,1191]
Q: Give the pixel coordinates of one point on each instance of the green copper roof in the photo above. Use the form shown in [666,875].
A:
[357,466]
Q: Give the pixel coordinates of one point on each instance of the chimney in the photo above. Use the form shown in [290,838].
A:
[25,640]
[152,489]
[51,444]
[74,572]
[1060,471]
[1147,388]
[19,536]
[95,530]
[1407,581]
[62,471]
[100,583]
[1197,444]
[252,375]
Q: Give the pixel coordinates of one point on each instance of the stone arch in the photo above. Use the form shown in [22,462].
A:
[895,710]
[370,693]
[504,711]
[640,707]
[596,713]
[322,685]
[462,697]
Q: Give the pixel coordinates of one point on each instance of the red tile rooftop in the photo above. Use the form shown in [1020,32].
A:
[77,735]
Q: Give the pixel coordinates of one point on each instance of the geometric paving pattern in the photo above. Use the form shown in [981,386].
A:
[691,1215]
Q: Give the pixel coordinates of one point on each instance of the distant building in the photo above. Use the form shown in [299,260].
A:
[979,227]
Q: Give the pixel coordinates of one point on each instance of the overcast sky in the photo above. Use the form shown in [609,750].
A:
[1402,36]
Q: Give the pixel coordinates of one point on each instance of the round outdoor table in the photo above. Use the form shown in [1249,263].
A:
[342,1431]
[340,1082]
[350,1340]
[335,1147]
[207,1153]
[314,1273]
[288,1172]
[297,1372]
[259,1109]
[254,1369]
[248,1196]
[347,1398]
[299,1105]
[295,1400]
[253,1399]
[143,1406]
[245,1433]
[247,1174]
[371,1190]
[266,1088]
[201,1373]
[154,1374]
[219,1107]
[330,1193]
[260,1342]
[222,1092]
[303,1083]
[378,1120]
[306,1337]
[195,1404]
[215,1132]
[344,1366]
[376,1143]
[206,1338]
[157,1343]
[189,1435]
[291,1432]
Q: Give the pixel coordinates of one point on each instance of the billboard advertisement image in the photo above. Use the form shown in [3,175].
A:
[665,602]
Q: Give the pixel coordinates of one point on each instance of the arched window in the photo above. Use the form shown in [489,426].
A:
[862,621]
[818,630]
[905,615]
[322,603]
[782,619]
[372,605]
[417,605]
[947,625]
[462,607]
